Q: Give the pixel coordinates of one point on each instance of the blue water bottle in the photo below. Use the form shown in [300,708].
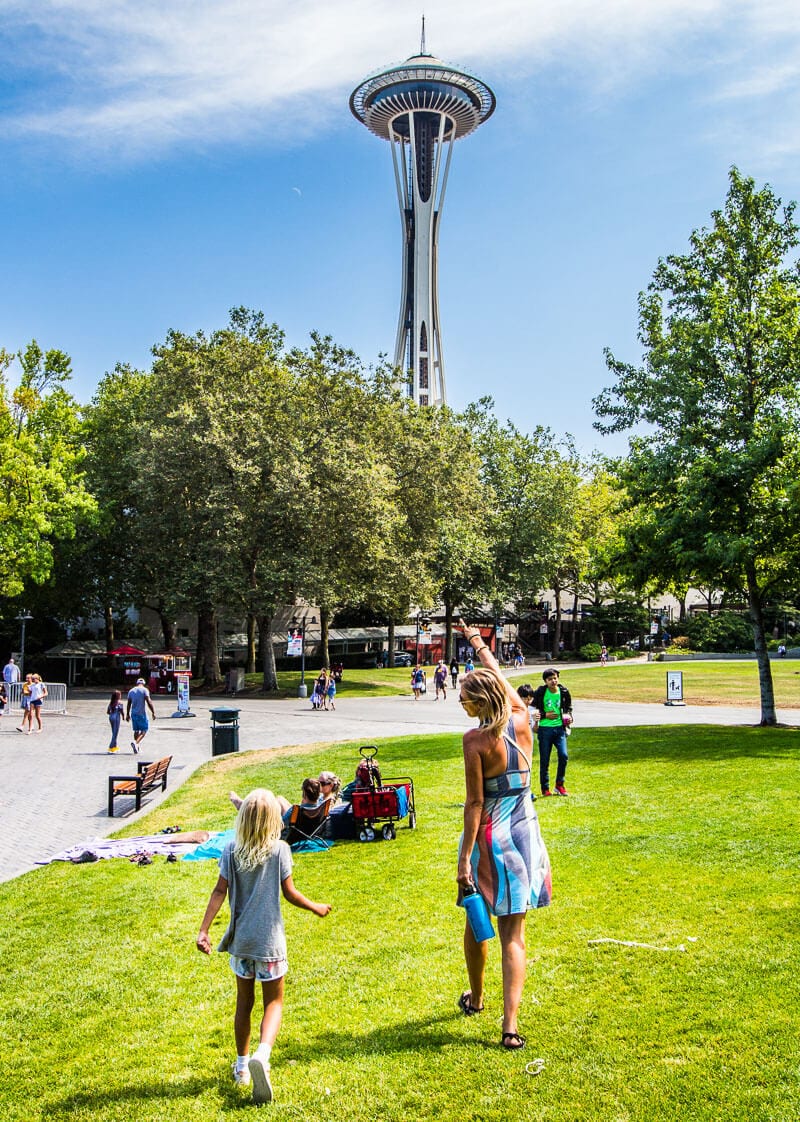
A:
[477,914]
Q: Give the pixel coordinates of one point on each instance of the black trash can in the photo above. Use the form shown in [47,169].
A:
[224,730]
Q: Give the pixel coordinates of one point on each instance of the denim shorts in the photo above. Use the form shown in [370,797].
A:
[262,970]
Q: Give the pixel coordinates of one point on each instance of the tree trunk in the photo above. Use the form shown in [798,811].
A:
[573,642]
[270,675]
[390,641]
[448,629]
[207,652]
[768,715]
[557,629]
[324,623]
[168,631]
[108,617]
[250,667]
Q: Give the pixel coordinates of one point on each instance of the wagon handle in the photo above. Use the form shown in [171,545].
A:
[368,752]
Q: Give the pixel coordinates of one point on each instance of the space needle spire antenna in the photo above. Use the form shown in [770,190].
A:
[421,106]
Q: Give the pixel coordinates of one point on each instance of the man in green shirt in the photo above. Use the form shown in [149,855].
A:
[553,709]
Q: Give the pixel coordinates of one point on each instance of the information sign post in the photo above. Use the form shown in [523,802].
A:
[182,694]
[674,688]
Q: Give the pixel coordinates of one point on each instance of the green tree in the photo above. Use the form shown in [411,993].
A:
[219,518]
[532,479]
[713,482]
[42,490]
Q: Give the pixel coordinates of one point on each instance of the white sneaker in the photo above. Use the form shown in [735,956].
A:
[241,1078]
[262,1088]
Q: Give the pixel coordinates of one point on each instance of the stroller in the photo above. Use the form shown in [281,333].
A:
[379,802]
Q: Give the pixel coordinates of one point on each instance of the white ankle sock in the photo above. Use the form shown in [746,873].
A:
[242,1062]
[263,1052]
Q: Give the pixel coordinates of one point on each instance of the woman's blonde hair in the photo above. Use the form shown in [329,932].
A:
[258,827]
[487,692]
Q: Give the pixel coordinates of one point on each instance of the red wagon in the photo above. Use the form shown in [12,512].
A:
[380,803]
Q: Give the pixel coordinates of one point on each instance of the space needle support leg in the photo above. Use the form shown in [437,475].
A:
[401,182]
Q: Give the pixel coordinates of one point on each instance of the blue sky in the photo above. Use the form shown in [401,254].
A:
[161,162]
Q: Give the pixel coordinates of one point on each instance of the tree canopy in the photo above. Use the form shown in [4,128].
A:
[712,478]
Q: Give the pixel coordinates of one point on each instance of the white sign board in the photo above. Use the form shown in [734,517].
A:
[182,681]
[294,644]
[674,686]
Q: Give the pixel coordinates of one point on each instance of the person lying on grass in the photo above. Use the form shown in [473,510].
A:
[255,868]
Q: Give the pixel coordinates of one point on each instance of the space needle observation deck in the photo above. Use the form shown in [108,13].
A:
[421,106]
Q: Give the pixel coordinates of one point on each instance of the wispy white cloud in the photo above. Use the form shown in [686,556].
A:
[131,76]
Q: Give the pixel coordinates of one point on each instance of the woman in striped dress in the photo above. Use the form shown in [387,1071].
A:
[501,852]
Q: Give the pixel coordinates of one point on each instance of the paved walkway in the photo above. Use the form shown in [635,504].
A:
[53,785]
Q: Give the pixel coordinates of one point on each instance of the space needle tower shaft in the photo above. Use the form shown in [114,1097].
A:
[421,106]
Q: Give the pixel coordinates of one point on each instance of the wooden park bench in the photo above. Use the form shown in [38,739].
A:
[151,775]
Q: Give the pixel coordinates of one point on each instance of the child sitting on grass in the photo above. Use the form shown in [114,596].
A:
[254,869]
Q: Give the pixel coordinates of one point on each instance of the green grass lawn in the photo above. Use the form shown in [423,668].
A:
[356,683]
[704,683]
[672,837]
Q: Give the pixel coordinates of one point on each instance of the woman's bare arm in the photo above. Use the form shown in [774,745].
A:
[487,659]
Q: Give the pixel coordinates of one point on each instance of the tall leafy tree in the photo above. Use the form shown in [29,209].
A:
[222,511]
[42,490]
[713,479]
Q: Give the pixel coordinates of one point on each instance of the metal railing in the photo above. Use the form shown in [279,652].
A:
[55,702]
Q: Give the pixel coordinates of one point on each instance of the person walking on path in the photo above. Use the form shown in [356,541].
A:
[37,696]
[501,853]
[330,695]
[440,679]
[10,672]
[25,704]
[136,712]
[417,681]
[115,712]
[553,711]
[255,868]
[454,669]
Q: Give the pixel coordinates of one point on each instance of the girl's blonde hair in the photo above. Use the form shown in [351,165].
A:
[258,827]
[487,692]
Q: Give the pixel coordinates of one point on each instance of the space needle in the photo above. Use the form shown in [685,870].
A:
[421,106]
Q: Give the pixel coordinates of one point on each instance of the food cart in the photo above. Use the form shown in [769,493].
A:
[164,668]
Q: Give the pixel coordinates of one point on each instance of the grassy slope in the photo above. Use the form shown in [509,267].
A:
[705,683]
[671,835]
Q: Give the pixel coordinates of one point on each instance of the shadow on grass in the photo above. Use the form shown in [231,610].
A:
[409,1037]
[413,1036]
[685,742]
[143,1091]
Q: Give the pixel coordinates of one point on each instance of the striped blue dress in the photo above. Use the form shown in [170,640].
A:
[510,864]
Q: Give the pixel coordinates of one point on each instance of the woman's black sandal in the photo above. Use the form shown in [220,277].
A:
[513,1041]
[466,1006]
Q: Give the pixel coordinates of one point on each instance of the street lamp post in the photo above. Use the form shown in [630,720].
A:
[422,621]
[300,625]
[23,619]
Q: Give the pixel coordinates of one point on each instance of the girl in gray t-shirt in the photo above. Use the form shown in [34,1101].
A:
[255,869]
